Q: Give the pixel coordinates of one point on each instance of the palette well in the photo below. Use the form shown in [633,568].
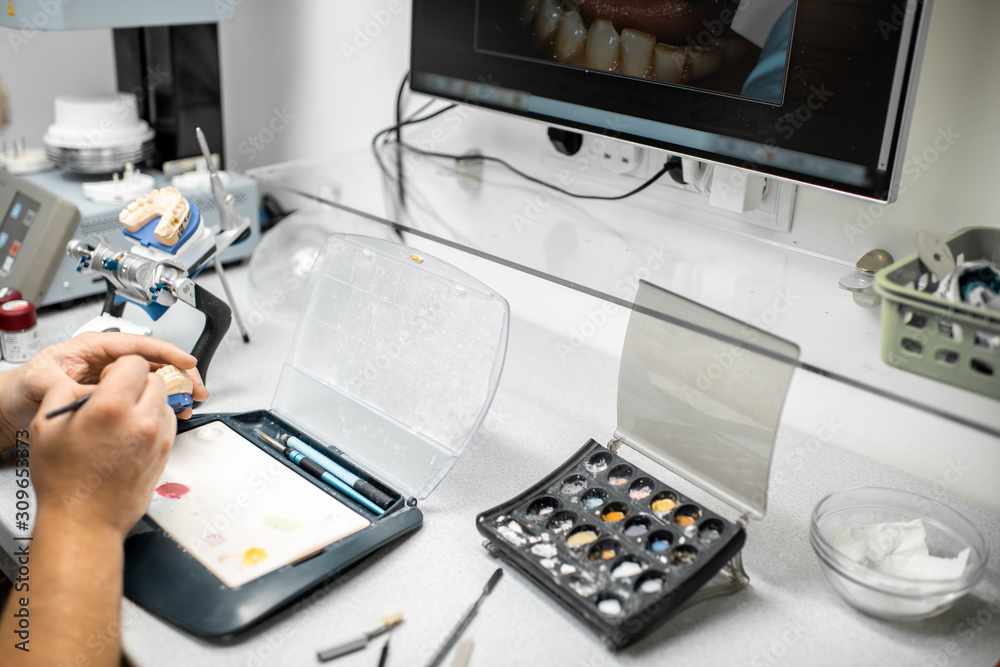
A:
[617,547]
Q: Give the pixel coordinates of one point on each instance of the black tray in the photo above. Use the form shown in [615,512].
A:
[619,602]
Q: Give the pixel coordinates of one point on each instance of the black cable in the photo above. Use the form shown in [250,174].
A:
[489,158]
[392,128]
[273,211]
[492,158]
[400,176]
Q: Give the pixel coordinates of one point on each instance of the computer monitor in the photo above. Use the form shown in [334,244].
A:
[811,91]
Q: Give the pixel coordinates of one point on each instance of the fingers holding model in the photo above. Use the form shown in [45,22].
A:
[81,360]
[115,446]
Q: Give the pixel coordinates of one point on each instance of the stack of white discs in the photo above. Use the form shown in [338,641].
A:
[98,133]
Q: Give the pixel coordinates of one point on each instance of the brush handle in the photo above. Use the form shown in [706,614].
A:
[343,649]
[68,408]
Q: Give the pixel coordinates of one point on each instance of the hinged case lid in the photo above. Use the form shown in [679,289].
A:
[702,393]
[395,361]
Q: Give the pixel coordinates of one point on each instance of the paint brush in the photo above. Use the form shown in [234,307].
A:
[466,619]
[388,623]
[68,408]
[314,469]
[337,470]
[384,656]
[177,403]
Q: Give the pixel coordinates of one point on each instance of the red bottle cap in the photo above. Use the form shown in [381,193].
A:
[9,294]
[17,316]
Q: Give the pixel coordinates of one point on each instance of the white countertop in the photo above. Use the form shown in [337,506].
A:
[549,403]
[545,409]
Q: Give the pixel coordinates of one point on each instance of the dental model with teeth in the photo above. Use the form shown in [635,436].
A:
[176,379]
[168,204]
[651,39]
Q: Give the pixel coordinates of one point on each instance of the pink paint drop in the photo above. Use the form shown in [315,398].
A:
[172,490]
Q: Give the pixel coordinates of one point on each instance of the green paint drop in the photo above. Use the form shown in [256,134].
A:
[282,523]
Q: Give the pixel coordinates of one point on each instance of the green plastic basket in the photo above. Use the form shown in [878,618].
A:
[924,334]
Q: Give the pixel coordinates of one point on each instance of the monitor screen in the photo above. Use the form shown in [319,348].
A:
[808,90]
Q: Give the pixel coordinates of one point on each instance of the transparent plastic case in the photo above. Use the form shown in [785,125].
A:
[395,361]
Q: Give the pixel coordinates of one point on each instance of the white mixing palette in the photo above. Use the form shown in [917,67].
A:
[238,511]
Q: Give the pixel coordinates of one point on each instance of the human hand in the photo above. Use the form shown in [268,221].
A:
[81,359]
[96,467]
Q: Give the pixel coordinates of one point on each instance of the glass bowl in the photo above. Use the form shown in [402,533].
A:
[886,595]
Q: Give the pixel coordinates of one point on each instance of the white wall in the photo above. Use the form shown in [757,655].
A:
[49,64]
[294,60]
[305,58]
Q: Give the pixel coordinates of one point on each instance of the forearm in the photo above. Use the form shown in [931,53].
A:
[8,413]
[73,595]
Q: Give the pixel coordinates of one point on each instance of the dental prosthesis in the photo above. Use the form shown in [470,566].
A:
[168,204]
[179,387]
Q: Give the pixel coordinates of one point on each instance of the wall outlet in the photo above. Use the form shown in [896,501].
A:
[603,161]
[619,157]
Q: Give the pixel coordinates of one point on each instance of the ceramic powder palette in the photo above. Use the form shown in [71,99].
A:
[618,547]
[615,545]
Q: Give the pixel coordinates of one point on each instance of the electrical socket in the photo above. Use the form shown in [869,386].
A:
[603,155]
[620,157]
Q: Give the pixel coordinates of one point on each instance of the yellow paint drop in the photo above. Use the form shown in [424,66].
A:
[663,505]
[10,7]
[581,538]
[613,516]
[253,555]
[684,520]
